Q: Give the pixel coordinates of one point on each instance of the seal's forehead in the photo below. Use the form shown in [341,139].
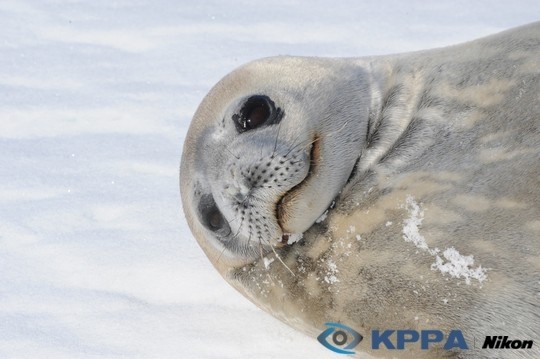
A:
[281,74]
[283,78]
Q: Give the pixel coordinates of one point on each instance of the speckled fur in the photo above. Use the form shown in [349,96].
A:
[455,129]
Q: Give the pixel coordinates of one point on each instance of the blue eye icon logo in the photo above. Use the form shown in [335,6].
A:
[342,338]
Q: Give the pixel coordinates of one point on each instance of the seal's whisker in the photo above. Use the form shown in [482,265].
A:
[294,146]
[233,237]
[270,278]
[279,259]
[261,250]
[249,238]
[232,220]
[337,130]
[307,145]
[275,143]
[239,228]
[220,254]
[235,156]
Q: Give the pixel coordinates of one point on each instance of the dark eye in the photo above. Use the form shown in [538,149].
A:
[211,216]
[256,111]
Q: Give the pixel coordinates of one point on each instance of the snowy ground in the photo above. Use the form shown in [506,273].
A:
[96,259]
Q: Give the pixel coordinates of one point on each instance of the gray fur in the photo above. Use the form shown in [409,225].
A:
[441,147]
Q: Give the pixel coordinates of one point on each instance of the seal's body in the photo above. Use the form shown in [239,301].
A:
[393,192]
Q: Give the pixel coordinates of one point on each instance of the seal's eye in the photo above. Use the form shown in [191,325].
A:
[256,111]
[211,216]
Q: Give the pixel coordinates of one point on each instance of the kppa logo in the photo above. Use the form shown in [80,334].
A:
[388,339]
[341,343]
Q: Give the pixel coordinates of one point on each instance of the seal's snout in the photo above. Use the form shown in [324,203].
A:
[238,187]
[265,179]
[254,184]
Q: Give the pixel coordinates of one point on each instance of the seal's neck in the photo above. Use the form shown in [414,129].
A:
[399,121]
[394,116]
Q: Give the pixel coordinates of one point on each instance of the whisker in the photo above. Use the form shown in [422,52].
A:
[220,254]
[232,220]
[270,278]
[305,146]
[235,156]
[279,259]
[277,137]
[338,130]
[297,145]
[239,228]
[261,250]
[293,146]
[232,238]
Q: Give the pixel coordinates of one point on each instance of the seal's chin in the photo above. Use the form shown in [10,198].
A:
[285,206]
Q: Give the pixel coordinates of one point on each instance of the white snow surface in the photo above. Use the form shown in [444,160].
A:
[96,258]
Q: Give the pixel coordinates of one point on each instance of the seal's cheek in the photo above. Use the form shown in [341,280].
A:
[302,205]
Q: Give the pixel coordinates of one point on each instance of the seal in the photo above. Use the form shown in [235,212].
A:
[396,192]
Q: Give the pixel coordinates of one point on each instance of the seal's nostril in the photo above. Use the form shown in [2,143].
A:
[230,190]
[242,192]
[239,197]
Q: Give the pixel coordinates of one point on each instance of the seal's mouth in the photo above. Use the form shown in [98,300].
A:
[290,196]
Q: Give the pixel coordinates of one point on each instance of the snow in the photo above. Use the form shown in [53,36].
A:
[331,274]
[267,261]
[322,218]
[294,237]
[459,266]
[96,97]
[411,226]
[456,265]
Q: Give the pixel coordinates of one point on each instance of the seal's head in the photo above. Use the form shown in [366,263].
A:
[269,148]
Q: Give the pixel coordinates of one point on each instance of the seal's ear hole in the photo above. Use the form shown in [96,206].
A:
[211,217]
[256,111]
